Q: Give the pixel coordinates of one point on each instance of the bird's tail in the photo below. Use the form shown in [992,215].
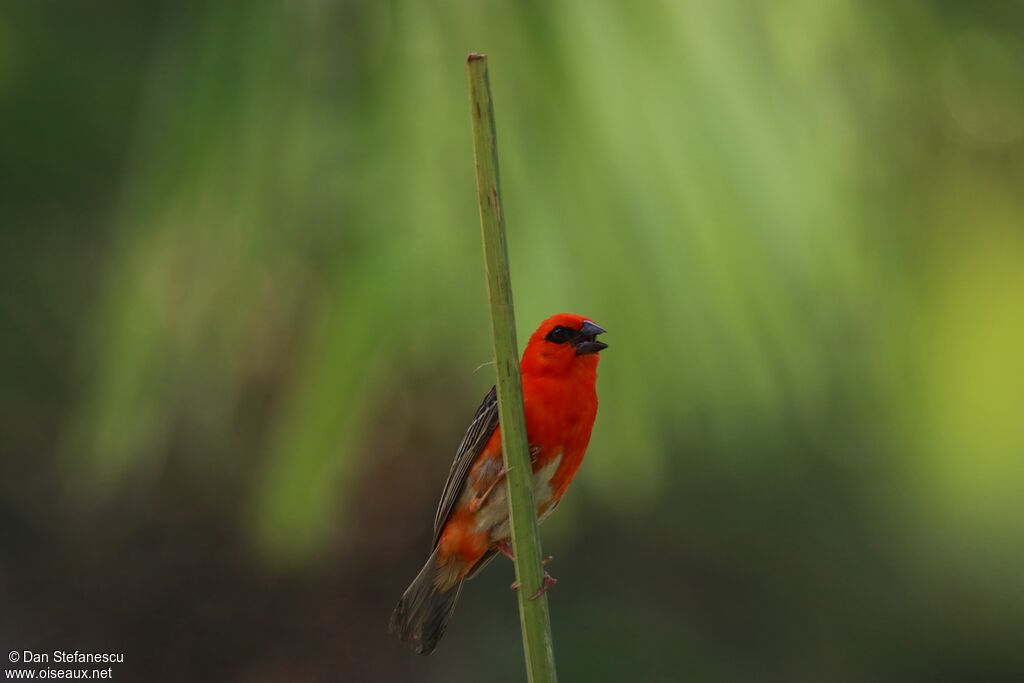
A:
[422,614]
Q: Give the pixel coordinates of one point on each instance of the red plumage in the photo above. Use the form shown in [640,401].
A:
[559,375]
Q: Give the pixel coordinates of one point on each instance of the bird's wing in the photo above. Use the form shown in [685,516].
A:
[484,422]
[481,563]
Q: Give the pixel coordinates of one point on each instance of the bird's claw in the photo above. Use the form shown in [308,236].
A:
[505,549]
[480,498]
[546,583]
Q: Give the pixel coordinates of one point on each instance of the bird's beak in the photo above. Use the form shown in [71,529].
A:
[585,340]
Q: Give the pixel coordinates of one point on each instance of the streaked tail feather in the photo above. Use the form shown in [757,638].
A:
[422,614]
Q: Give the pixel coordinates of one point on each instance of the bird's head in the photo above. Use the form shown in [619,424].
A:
[562,343]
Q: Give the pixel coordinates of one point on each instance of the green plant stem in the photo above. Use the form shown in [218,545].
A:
[533,612]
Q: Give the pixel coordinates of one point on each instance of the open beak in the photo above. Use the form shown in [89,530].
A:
[586,341]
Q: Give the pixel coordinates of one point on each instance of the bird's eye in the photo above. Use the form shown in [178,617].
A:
[560,334]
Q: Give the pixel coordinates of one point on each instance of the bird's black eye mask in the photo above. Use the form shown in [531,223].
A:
[583,339]
[561,334]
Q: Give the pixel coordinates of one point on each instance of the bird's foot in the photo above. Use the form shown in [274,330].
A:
[479,500]
[505,549]
[546,583]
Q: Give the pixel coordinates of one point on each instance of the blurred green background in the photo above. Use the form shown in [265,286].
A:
[243,311]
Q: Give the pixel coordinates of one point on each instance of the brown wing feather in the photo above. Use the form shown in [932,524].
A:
[480,429]
[481,563]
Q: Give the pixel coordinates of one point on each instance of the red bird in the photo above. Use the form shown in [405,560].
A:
[559,373]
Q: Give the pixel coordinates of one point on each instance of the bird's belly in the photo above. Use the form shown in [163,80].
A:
[492,517]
